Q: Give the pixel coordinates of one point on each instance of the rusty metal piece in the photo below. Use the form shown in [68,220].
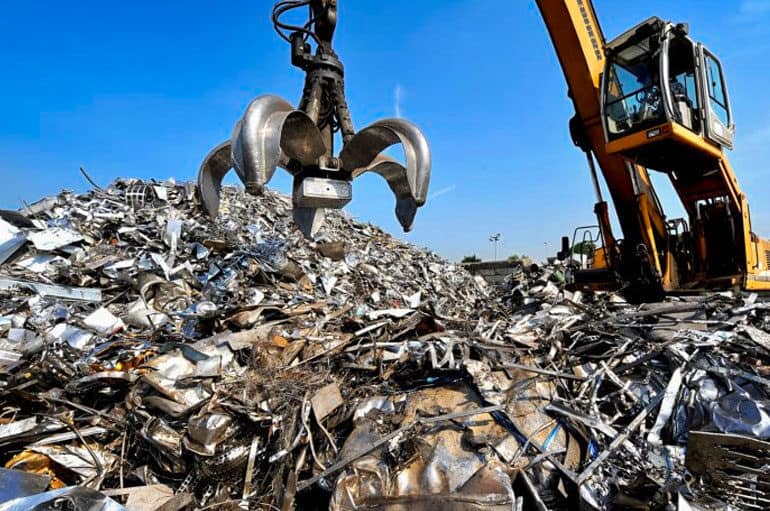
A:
[334,250]
[326,400]
[442,460]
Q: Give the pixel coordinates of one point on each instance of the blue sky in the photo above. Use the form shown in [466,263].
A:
[145,89]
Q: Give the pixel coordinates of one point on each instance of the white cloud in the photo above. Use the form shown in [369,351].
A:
[397,94]
[755,6]
[440,192]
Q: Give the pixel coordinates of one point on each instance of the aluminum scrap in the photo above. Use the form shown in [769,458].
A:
[11,239]
[149,354]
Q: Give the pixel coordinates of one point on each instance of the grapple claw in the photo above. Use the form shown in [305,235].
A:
[409,184]
[270,134]
[213,169]
[406,209]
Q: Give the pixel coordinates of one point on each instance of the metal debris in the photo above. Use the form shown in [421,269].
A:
[11,240]
[77,498]
[154,358]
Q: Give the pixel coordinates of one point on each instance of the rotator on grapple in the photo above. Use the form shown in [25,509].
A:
[273,133]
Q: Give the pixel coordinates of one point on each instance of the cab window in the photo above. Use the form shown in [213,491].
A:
[716,89]
[632,99]
[682,83]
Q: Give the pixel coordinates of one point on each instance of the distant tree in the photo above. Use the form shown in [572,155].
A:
[514,258]
[586,248]
[471,259]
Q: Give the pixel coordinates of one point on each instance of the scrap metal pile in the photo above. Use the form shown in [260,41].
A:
[155,359]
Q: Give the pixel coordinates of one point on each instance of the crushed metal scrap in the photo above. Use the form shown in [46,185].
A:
[151,358]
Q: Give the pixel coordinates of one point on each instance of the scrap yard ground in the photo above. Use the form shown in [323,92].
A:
[155,359]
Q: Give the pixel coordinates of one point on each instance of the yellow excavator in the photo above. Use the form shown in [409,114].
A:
[653,98]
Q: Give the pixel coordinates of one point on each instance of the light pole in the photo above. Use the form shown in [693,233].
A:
[494,239]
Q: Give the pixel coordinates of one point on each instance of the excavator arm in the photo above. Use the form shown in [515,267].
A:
[579,43]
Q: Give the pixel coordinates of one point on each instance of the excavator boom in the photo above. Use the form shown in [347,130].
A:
[579,43]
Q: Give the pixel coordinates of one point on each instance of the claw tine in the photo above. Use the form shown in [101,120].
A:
[418,157]
[256,141]
[362,152]
[269,135]
[213,169]
[301,140]
[395,175]
[308,220]
[406,209]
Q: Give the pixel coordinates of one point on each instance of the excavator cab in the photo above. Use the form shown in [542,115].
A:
[664,99]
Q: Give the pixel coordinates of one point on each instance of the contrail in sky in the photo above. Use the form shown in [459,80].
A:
[442,191]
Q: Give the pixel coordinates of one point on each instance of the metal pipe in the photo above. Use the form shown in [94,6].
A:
[594,177]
